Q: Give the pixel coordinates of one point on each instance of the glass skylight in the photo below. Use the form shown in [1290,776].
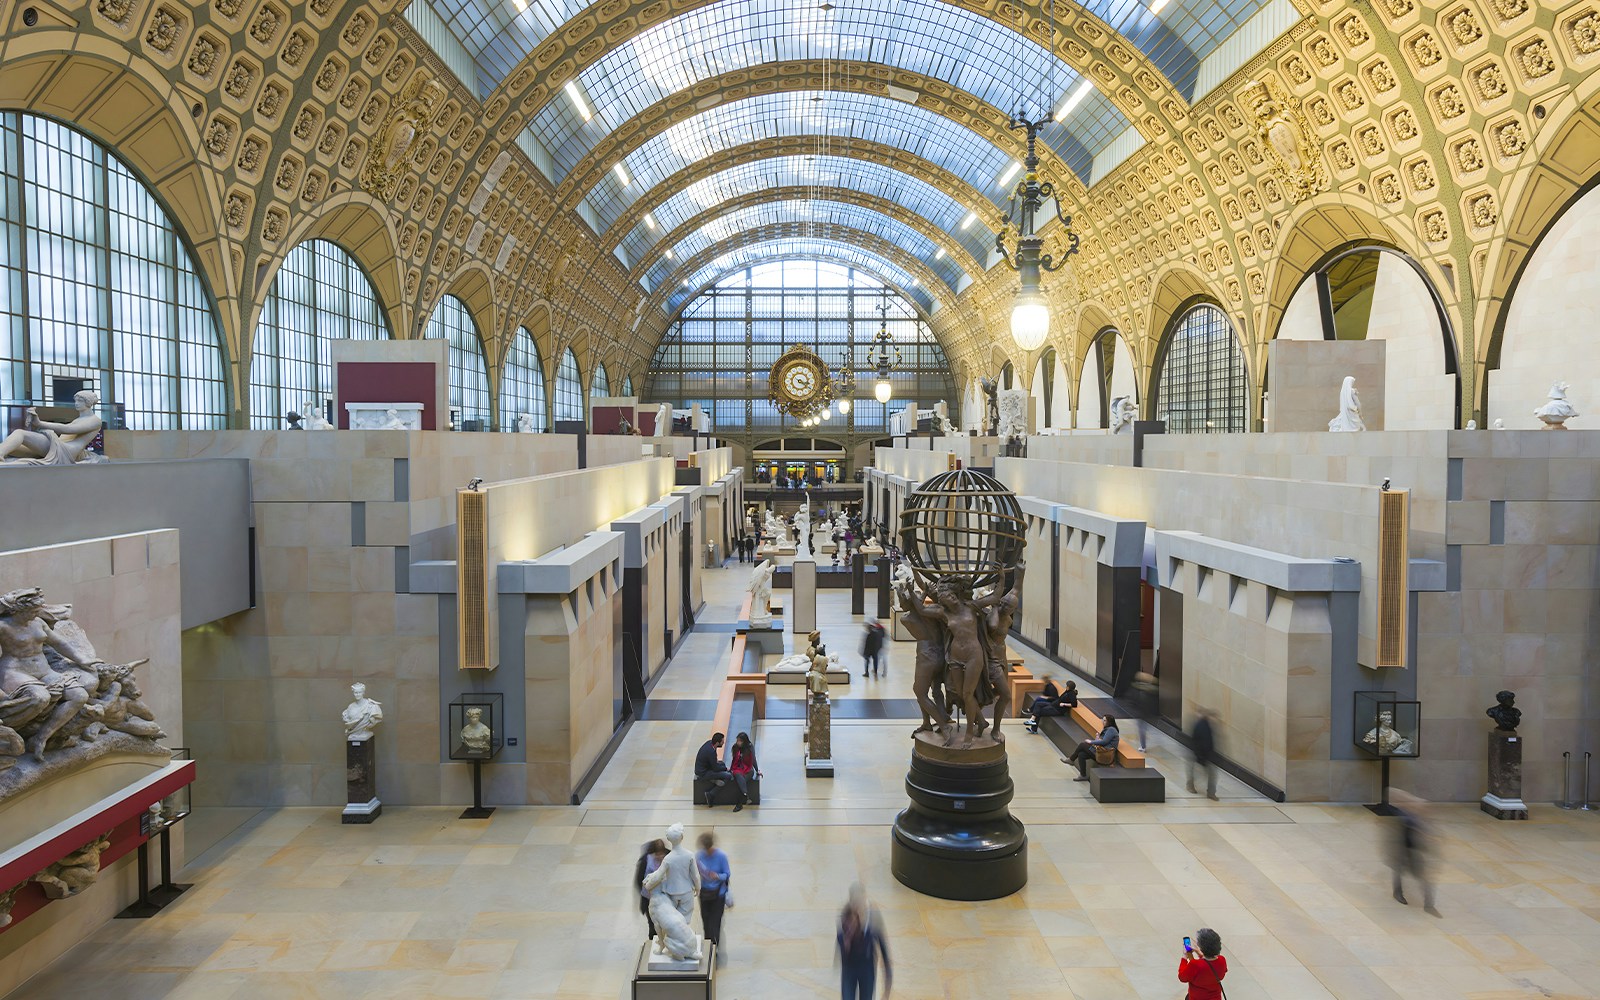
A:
[827,172]
[801,248]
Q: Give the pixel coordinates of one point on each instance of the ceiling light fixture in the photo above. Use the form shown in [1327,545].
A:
[939,255]
[1030,312]
[882,388]
[1076,97]
[577,100]
[969,220]
[622,174]
[650,221]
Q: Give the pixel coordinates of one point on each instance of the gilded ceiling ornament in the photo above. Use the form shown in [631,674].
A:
[330,138]
[239,79]
[203,58]
[227,8]
[272,228]
[1230,115]
[305,122]
[1297,70]
[1511,138]
[1449,102]
[378,49]
[1382,77]
[352,153]
[250,153]
[1258,284]
[1509,9]
[1464,25]
[1469,155]
[271,101]
[400,129]
[1404,125]
[266,24]
[288,171]
[1537,59]
[1389,189]
[1322,49]
[1421,174]
[218,136]
[397,68]
[115,11]
[1491,81]
[1399,8]
[164,29]
[357,28]
[1349,94]
[1342,157]
[1252,203]
[1585,33]
[1283,128]
[1434,227]
[237,211]
[1320,111]
[1371,141]
[1426,50]
[1483,210]
[1355,31]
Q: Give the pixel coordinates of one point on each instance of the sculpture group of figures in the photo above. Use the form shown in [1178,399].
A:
[673,888]
[961,663]
[56,693]
[62,880]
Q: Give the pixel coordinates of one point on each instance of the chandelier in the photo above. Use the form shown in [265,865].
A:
[801,386]
[844,380]
[1030,312]
[882,342]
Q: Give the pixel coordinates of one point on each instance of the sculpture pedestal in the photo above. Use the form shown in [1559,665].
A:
[361,776]
[803,616]
[1504,800]
[819,736]
[958,839]
[695,982]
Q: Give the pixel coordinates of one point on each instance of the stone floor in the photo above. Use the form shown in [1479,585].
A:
[535,902]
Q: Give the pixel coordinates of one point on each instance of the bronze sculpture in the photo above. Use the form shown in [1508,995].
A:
[1506,717]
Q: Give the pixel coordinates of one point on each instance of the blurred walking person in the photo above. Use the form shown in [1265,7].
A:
[714,877]
[649,860]
[861,942]
[872,647]
[1203,744]
[1410,849]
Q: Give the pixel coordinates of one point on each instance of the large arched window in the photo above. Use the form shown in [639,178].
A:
[469,375]
[1203,386]
[319,295]
[1044,386]
[627,385]
[522,383]
[719,348]
[601,386]
[97,289]
[569,388]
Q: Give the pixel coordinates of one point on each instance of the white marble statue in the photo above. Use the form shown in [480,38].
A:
[1013,405]
[1349,415]
[801,661]
[392,421]
[802,529]
[475,736]
[42,442]
[1472,425]
[1498,424]
[1387,739]
[313,418]
[525,423]
[761,595]
[673,888]
[1123,413]
[777,530]
[361,717]
[1557,411]
[901,577]
[663,420]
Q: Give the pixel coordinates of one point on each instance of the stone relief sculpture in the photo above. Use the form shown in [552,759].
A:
[1555,413]
[60,703]
[392,421]
[42,442]
[673,888]
[1123,414]
[314,420]
[525,423]
[73,873]
[1348,418]
[1286,133]
[361,716]
[761,595]
[1507,717]
[398,133]
[475,736]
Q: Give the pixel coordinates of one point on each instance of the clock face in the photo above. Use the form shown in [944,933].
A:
[798,378]
[799,381]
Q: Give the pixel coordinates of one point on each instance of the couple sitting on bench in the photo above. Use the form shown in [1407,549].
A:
[713,774]
[1102,748]
[1051,702]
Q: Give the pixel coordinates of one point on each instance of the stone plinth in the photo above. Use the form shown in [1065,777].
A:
[819,736]
[361,778]
[958,839]
[1504,799]
[803,616]
[694,981]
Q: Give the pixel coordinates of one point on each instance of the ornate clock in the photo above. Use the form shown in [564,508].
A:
[799,383]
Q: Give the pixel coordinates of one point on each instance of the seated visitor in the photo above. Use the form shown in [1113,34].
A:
[1051,701]
[744,765]
[1085,751]
[709,762]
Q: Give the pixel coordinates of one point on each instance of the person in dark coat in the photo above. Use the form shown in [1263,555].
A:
[1204,746]
[649,859]
[709,762]
[1051,701]
[872,647]
[860,944]
[1410,855]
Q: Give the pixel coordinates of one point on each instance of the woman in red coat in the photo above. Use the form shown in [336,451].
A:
[743,765]
[1204,969]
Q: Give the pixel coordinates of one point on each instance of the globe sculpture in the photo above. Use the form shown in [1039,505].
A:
[962,526]
[962,534]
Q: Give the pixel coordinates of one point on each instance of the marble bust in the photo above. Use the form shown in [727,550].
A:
[1555,413]
[475,735]
[1349,416]
[361,717]
[43,442]
[1387,739]
[525,423]
[1506,717]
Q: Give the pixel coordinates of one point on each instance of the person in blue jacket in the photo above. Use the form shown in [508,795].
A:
[861,942]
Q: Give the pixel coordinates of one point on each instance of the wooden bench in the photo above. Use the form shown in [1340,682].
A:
[1067,731]
[742,702]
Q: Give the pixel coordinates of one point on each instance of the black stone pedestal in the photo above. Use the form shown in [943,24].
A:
[1504,800]
[958,839]
[361,775]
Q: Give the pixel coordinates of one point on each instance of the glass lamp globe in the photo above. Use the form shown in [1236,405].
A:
[844,406]
[883,391]
[827,410]
[1030,321]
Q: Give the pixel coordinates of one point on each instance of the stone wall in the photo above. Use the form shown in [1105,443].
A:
[1308,379]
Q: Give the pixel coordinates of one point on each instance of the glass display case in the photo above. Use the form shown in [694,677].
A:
[475,723]
[1387,725]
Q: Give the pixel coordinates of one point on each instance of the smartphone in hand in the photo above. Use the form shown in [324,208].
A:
[1188,946]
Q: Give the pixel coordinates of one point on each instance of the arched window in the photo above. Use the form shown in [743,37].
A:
[522,383]
[319,295]
[1203,386]
[627,385]
[601,386]
[1044,386]
[569,388]
[97,289]
[469,375]
[1007,375]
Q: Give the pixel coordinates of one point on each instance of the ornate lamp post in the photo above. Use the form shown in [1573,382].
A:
[882,389]
[1030,313]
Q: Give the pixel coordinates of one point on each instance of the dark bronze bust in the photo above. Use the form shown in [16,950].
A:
[1504,715]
